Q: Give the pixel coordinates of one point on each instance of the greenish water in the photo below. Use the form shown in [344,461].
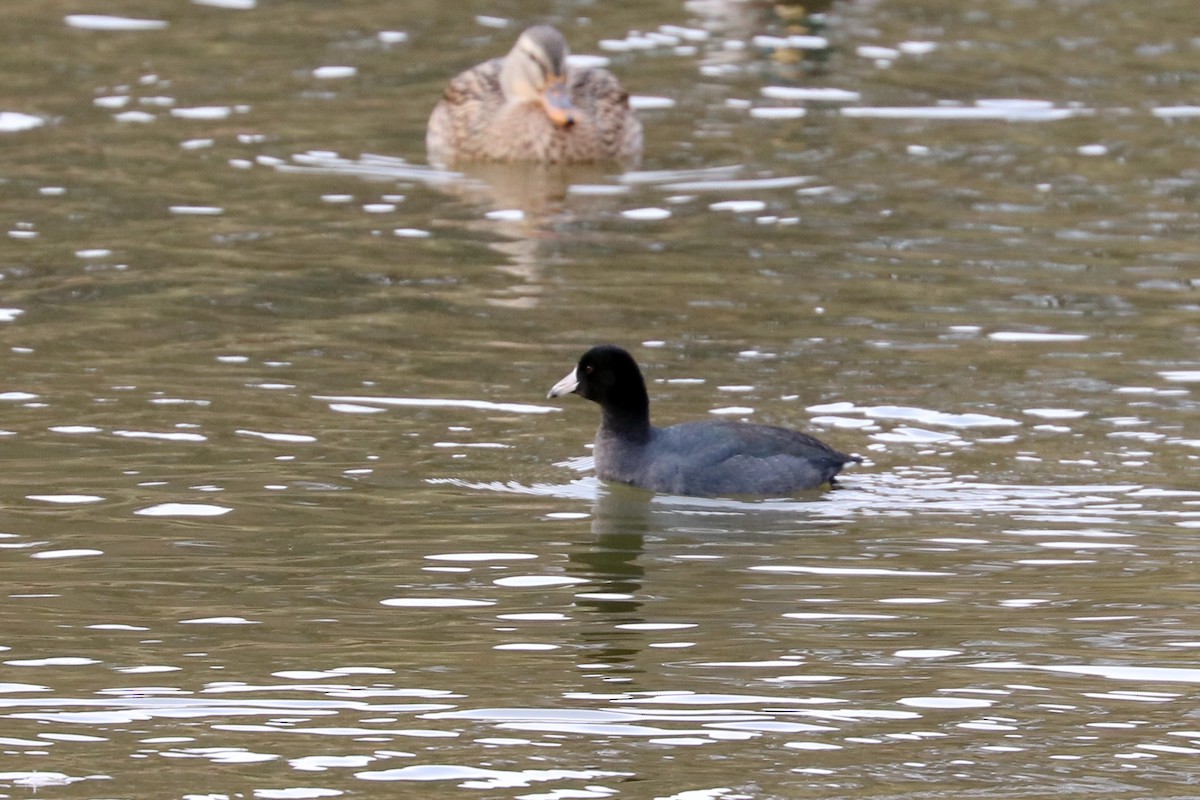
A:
[285,512]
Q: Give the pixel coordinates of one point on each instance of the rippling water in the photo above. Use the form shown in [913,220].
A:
[285,509]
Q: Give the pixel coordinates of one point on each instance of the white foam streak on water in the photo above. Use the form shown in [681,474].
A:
[688,698]
[734,185]
[833,615]
[734,411]
[777,112]
[369,166]
[913,435]
[944,702]
[434,402]
[926,653]
[526,646]
[477,778]
[354,408]
[435,602]
[66,499]
[53,661]
[37,779]
[505,215]
[134,116]
[1181,376]
[602,729]
[1085,545]
[641,102]
[844,422]
[1094,532]
[13,121]
[76,553]
[197,211]
[906,434]
[183,510]
[648,214]
[811,94]
[587,61]
[666,176]
[739,206]
[334,72]
[873,572]
[1174,112]
[877,52]
[104,22]
[170,436]
[538,581]
[203,112]
[1055,413]
[1110,671]
[290,438]
[597,189]
[935,417]
[798,42]
[237,5]
[585,489]
[965,113]
[1033,336]
[481,556]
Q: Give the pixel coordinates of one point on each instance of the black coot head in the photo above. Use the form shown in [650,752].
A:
[607,375]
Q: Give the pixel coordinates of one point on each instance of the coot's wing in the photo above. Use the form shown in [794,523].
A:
[710,458]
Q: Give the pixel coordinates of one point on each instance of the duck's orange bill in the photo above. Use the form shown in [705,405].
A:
[556,100]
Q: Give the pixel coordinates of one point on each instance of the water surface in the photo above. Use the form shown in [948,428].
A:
[286,511]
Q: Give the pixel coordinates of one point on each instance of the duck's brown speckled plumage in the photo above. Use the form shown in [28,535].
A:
[475,121]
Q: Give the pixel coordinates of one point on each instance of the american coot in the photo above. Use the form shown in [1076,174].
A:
[530,106]
[694,458]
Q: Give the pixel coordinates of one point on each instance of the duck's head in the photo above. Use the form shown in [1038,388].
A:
[535,70]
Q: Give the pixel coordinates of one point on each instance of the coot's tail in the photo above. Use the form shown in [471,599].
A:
[837,468]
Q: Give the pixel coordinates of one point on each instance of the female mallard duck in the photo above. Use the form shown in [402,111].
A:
[530,106]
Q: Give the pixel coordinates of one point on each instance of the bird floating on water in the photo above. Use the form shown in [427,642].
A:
[531,105]
[703,459]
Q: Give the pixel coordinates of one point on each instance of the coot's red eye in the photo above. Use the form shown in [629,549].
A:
[587,370]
